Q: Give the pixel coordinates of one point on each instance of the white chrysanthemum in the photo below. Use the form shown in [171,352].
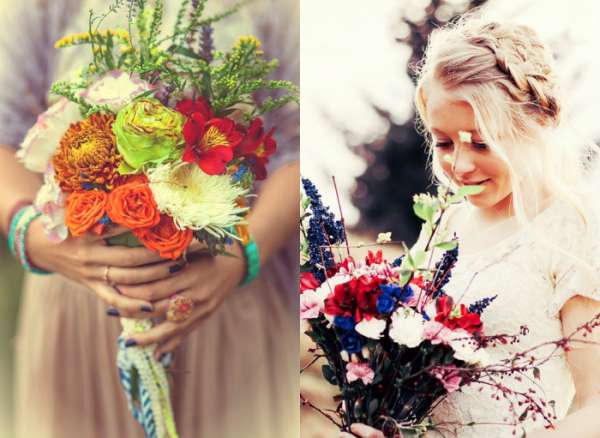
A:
[407,327]
[196,200]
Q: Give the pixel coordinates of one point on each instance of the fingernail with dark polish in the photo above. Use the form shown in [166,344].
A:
[112,312]
[166,359]
[146,309]
[175,268]
[130,343]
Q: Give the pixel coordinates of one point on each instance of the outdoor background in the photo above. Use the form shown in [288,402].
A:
[357,118]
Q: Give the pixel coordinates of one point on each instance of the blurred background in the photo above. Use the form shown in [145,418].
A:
[358,123]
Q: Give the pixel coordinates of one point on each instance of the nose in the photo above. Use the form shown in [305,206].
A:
[464,162]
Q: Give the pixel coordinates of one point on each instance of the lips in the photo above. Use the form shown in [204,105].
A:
[473,183]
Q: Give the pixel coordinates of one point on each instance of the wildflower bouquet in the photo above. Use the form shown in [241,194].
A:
[160,134]
[394,342]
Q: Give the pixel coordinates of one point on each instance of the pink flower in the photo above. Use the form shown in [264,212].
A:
[50,201]
[449,376]
[115,90]
[41,141]
[362,371]
[310,304]
[438,333]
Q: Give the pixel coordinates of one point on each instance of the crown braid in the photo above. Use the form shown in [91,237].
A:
[508,56]
[520,55]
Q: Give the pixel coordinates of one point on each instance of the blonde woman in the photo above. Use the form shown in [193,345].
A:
[488,99]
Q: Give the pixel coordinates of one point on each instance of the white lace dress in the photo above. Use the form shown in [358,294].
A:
[533,280]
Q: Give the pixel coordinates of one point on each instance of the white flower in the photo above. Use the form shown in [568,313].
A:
[384,237]
[50,201]
[115,90]
[42,140]
[372,328]
[466,349]
[407,327]
[196,200]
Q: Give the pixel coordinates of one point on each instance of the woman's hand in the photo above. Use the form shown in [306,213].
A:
[206,280]
[364,431]
[89,261]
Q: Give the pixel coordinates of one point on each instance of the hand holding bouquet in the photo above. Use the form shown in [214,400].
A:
[160,138]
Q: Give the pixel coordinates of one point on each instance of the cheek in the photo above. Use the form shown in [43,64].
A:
[444,164]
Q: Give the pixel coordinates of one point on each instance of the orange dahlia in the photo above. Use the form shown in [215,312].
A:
[87,156]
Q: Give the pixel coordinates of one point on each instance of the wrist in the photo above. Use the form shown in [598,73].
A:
[36,245]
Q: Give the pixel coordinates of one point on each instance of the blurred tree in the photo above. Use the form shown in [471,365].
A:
[397,164]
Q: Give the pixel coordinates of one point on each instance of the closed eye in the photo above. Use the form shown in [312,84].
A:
[443,144]
[480,146]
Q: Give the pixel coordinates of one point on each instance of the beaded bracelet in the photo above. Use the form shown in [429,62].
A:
[251,254]
[22,223]
[252,261]
[12,230]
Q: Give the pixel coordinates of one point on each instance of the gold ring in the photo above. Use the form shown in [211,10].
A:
[180,308]
[106,271]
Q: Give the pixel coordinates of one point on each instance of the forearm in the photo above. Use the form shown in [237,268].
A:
[274,216]
[16,184]
[585,421]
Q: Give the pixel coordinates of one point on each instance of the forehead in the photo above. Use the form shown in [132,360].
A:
[447,114]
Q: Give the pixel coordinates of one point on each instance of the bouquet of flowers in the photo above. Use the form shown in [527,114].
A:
[160,134]
[394,342]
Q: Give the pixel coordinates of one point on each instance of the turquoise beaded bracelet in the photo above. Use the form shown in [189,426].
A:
[13,230]
[17,235]
[23,251]
[252,261]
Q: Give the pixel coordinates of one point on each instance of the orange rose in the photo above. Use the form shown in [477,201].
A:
[84,210]
[132,205]
[165,238]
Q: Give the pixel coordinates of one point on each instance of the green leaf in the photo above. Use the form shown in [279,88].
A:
[405,277]
[373,405]
[126,239]
[419,258]
[469,190]
[423,211]
[329,374]
[447,246]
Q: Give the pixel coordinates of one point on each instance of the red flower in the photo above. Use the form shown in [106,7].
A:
[367,293]
[210,141]
[187,107]
[256,147]
[471,322]
[308,281]
[376,258]
[341,302]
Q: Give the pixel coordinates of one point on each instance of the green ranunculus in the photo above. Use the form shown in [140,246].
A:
[146,132]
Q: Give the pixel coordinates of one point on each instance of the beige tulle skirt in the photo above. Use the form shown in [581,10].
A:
[235,376]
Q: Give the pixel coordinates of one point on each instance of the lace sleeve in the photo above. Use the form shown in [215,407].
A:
[29,30]
[578,272]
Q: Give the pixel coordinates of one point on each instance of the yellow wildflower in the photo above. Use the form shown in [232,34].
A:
[247,40]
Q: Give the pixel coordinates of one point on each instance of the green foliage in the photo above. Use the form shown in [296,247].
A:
[227,79]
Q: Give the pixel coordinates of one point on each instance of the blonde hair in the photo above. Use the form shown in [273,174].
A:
[505,72]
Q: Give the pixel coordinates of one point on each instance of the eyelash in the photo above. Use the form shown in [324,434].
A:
[476,145]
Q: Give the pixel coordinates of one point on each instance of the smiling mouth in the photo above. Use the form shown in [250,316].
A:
[474,183]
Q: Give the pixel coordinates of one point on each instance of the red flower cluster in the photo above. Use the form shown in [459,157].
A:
[213,142]
[446,314]
[308,281]
[356,298]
